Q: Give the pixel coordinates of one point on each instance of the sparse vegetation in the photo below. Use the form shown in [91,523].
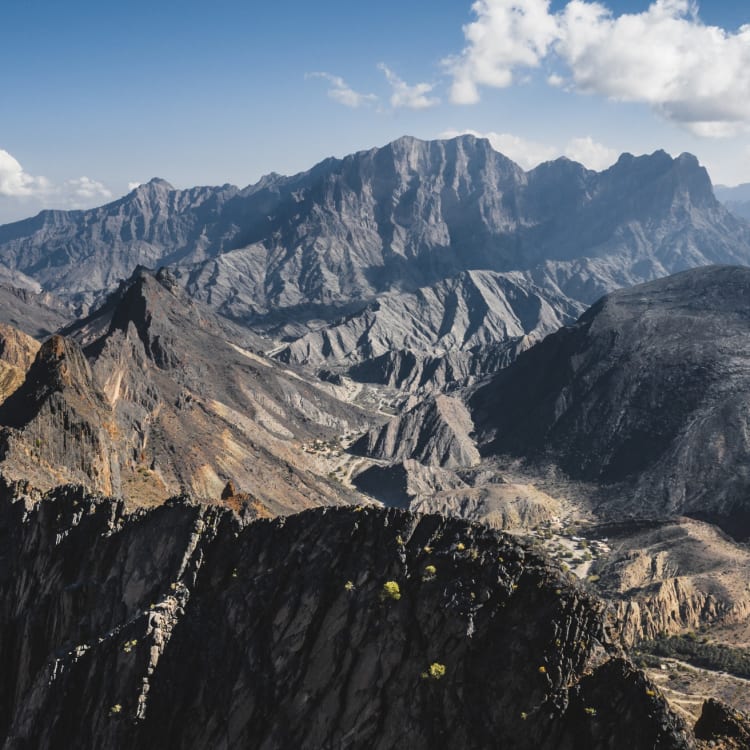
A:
[435,671]
[390,590]
[715,656]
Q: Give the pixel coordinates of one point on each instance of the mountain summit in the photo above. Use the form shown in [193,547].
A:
[408,214]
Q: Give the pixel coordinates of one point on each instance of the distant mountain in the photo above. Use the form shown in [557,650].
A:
[736,199]
[646,394]
[452,331]
[153,394]
[35,313]
[435,224]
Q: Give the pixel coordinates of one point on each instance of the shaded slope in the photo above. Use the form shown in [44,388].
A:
[37,314]
[104,618]
[650,389]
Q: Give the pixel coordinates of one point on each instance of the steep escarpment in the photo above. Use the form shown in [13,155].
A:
[17,352]
[57,425]
[149,396]
[646,395]
[373,628]
[672,576]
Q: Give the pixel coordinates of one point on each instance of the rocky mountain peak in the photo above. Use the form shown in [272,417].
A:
[155,186]
[60,363]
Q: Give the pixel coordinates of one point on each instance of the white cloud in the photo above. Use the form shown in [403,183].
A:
[529,154]
[22,194]
[83,191]
[665,56]
[410,97]
[341,92]
[590,153]
[133,185]
[508,34]
[16,183]
[524,152]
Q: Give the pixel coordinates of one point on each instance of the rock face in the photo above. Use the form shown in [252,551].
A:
[723,726]
[104,619]
[17,352]
[150,395]
[439,334]
[428,224]
[671,576]
[648,392]
[435,432]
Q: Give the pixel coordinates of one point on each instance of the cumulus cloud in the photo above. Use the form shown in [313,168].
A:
[341,92]
[133,185]
[14,182]
[22,193]
[529,154]
[410,97]
[508,34]
[591,154]
[665,56]
[84,191]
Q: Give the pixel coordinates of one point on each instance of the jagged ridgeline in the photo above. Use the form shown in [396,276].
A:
[417,264]
[152,394]
[183,627]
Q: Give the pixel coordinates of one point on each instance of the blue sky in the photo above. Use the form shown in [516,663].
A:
[97,96]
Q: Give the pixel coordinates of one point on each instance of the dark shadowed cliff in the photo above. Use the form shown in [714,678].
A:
[648,391]
[181,627]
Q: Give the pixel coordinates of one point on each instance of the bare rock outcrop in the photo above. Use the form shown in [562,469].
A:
[159,400]
[672,576]
[646,395]
[17,352]
[181,626]
[435,432]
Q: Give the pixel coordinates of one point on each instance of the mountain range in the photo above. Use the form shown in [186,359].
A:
[259,448]
[397,262]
